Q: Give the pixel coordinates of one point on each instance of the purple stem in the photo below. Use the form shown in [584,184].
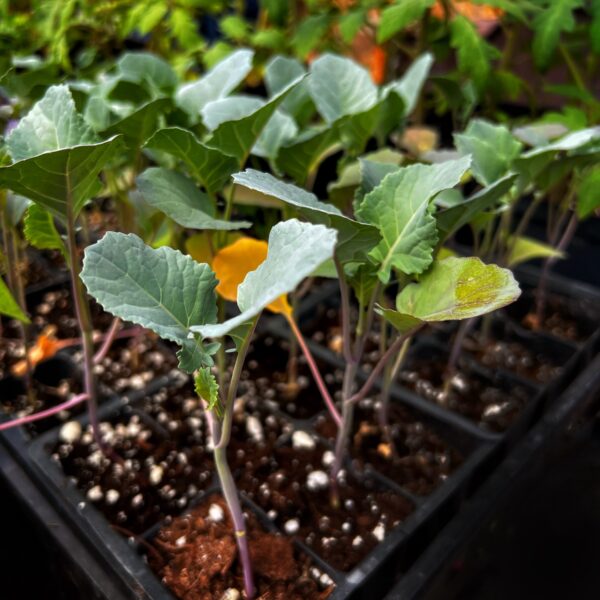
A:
[315,371]
[109,338]
[44,413]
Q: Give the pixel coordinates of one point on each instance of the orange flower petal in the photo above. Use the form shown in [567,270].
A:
[232,263]
[45,347]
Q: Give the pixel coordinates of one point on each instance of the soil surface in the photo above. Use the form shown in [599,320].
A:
[411,454]
[492,404]
[197,558]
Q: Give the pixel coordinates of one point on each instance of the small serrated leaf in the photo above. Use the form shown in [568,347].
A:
[207,388]
[39,230]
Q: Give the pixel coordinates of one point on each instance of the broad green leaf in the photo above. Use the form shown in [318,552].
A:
[208,166]
[409,86]
[526,248]
[397,17]
[9,306]
[280,72]
[539,134]
[354,239]
[400,207]
[237,137]
[588,197]
[207,388]
[309,33]
[40,232]
[148,69]
[56,179]
[176,195]
[492,148]
[218,83]
[281,129]
[453,289]
[358,128]
[473,52]
[371,175]
[141,123]
[302,157]
[231,108]
[452,219]
[52,124]
[295,250]
[161,289]
[340,87]
[556,17]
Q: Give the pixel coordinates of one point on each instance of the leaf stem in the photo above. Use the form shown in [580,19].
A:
[109,338]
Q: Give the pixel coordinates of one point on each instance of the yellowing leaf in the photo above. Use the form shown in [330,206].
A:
[232,263]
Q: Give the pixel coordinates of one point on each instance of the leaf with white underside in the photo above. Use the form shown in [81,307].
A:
[9,306]
[178,197]
[453,289]
[219,82]
[409,86]
[492,147]
[52,124]
[237,137]
[400,207]
[340,87]
[57,159]
[40,232]
[354,238]
[208,166]
[162,290]
[295,250]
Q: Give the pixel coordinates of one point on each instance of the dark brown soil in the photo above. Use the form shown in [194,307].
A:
[569,319]
[266,366]
[417,458]
[196,557]
[164,467]
[493,405]
[294,489]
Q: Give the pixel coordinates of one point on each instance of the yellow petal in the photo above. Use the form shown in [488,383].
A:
[232,263]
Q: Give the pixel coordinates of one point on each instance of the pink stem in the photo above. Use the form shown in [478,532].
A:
[45,413]
[109,338]
[315,371]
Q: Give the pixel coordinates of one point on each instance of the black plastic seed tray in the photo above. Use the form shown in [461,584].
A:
[434,574]
[430,512]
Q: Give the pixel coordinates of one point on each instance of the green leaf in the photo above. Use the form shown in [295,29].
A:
[363,282]
[237,137]
[9,306]
[295,250]
[492,148]
[351,23]
[219,82]
[303,156]
[207,388]
[473,53]
[175,195]
[453,289]
[309,33]
[52,124]
[141,123]
[15,208]
[279,73]
[526,248]
[556,17]
[231,108]
[452,219]
[397,17]
[409,86]
[40,232]
[161,289]
[149,70]
[595,26]
[354,238]
[340,87]
[208,166]
[588,199]
[371,175]
[400,207]
[56,179]
[279,130]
